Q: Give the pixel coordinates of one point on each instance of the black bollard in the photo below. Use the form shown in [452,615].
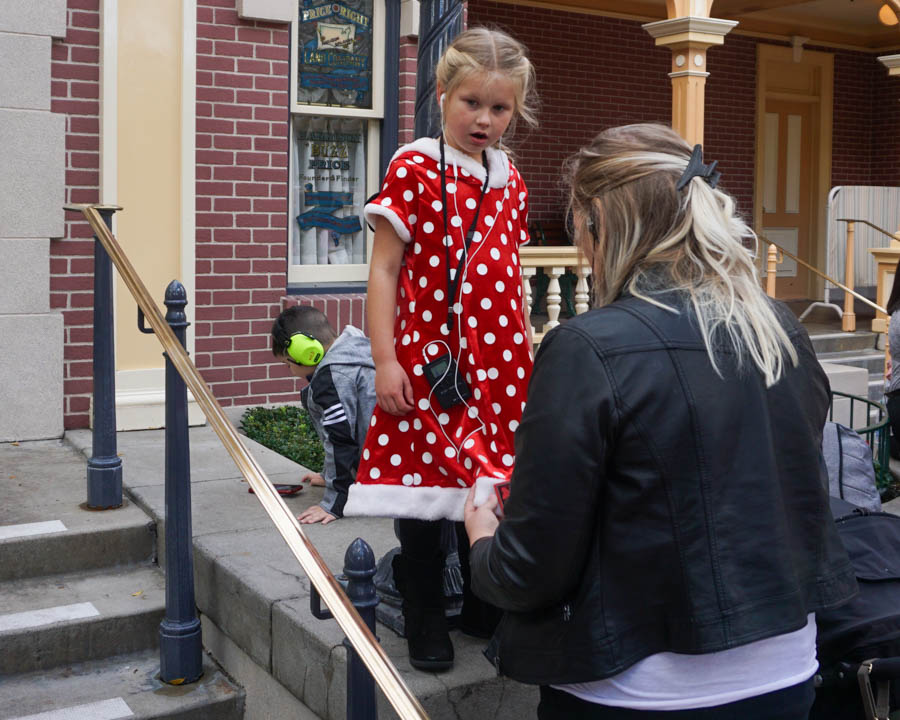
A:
[180,641]
[104,469]
[359,569]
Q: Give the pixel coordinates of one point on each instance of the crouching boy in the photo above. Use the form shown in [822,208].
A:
[339,400]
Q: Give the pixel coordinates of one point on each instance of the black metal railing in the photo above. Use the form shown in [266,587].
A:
[181,651]
[870,420]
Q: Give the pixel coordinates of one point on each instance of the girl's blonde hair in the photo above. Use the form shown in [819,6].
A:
[643,236]
[483,50]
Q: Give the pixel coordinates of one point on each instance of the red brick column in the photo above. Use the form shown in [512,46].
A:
[242,191]
[75,92]
[409,46]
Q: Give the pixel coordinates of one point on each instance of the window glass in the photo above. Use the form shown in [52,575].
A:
[329,191]
[334,55]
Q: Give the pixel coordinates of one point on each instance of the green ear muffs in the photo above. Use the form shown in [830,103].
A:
[304,349]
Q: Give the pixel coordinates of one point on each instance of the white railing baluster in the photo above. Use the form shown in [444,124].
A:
[528,273]
[553,298]
[582,294]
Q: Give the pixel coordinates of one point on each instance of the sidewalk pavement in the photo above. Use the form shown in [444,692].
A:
[254,596]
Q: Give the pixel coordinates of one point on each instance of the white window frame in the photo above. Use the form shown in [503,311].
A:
[319,275]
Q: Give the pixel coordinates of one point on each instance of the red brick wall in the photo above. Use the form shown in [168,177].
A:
[854,77]
[592,73]
[242,191]
[885,121]
[75,92]
[596,72]
[730,122]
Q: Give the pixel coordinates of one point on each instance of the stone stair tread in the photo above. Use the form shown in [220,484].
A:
[117,591]
[839,334]
[125,681]
[850,355]
[60,619]
[44,526]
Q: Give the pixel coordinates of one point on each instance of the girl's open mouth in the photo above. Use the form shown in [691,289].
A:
[479,137]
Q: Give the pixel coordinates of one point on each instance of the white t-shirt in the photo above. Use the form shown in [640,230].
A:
[673,681]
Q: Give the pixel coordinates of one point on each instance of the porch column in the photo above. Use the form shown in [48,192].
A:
[689,38]
[439,22]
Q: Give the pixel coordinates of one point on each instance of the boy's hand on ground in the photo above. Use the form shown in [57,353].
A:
[480,521]
[393,389]
[314,479]
[315,514]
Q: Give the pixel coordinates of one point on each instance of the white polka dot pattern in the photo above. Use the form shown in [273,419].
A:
[431,446]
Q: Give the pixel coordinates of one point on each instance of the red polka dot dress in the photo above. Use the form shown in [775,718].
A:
[422,465]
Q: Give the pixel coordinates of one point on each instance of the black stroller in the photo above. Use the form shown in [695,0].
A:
[859,643]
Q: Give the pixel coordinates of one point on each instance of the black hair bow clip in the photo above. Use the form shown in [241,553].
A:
[696,168]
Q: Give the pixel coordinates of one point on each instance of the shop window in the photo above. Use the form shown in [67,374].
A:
[337,105]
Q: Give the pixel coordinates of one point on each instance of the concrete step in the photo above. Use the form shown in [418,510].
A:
[57,620]
[119,687]
[872,360]
[253,595]
[843,341]
[45,528]
[876,387]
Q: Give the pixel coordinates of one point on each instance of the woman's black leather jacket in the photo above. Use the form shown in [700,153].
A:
[657,505]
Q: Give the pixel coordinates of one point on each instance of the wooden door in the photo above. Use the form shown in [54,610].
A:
[789,171]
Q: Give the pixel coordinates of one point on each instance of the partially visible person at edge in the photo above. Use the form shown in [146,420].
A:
[667,540]
[892,379]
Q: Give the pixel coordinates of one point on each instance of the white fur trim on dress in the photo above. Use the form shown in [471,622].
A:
[373,209]
[498,161]
[421,503]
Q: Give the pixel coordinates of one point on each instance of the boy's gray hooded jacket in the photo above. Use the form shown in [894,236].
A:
[340,402]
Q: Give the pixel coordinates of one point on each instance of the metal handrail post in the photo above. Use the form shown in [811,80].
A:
[848,320]
[104,469]
[180,641]
[359,569]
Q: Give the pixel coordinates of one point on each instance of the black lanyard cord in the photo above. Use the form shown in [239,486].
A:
[453,282]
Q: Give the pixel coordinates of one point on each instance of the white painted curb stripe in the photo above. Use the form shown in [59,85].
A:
[47,616]
[38,528]
[103,710]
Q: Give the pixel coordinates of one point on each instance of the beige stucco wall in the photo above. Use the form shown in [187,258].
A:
[148,163]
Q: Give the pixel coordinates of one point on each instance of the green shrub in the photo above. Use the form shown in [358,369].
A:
[286,430]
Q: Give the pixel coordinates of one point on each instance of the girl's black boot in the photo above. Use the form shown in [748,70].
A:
[423,614]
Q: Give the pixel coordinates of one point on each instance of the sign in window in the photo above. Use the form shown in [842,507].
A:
[329,190]
[334,53]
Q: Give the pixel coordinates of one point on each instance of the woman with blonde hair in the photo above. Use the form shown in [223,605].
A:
[667,540]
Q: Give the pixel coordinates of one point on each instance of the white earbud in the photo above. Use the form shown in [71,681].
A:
[441,101]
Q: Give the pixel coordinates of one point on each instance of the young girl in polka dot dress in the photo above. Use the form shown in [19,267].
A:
[421,458]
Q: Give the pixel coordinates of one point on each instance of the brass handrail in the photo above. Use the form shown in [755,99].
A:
[823,275]
[357,632]
[892,236]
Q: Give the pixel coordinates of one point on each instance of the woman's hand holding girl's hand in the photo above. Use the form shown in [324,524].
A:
[393,389]
[481,521]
